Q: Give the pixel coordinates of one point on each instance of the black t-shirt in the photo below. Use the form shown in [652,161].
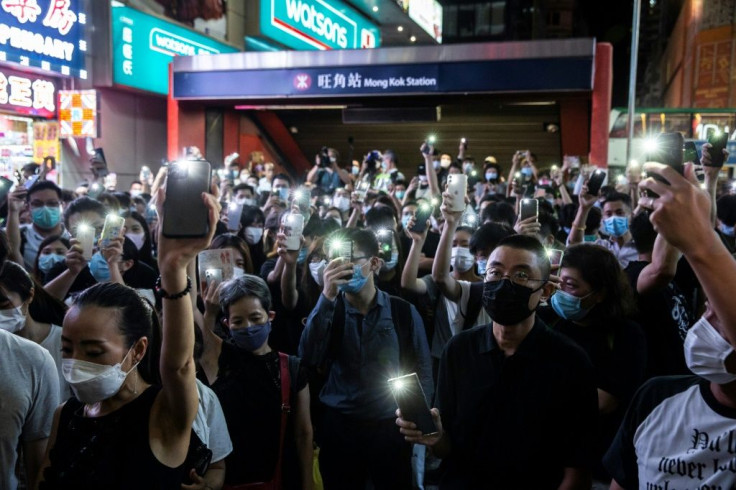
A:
[518,421]
[249,390]
[665,316]
[286,327]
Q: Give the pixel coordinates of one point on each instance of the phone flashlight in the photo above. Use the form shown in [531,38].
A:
[233,206]
[651,145]
[397,384]
[326,200]
[517,175]
[431,139]
[462,140]
[555,168]
[435,201]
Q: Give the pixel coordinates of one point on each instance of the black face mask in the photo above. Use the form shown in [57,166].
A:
[507,303]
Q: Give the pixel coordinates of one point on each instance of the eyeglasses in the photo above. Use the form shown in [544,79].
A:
[520,278]
[39,204]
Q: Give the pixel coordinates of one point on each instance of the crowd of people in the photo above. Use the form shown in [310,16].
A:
[587,343]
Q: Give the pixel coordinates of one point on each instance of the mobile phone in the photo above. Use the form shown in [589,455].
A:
[596,181]
[457,186]
[85,235]
[340,248]
[292,225]
[94,190]
[670,147]
[234,212]
[385,239]
[213,277]
[185,214]
[690,153]
[362,190]
[31,181]
[529,209]
[519,189]
[113,228]
[423,213]
[425,148]
[464,142]
[421,170]
[301,198]
[555,256]
[409,396]
[718,143]
[5,186]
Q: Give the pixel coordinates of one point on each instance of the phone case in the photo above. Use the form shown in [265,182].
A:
[86,238]
[529,209]
[670,148]
[596,181]
[292,225]
[409,396]
[113,226]
[457,185]
[185,214]
[421,217]
[718,143]
[343,250]
[217,259]
[234,212]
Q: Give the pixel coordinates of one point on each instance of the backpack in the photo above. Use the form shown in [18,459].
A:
[475,302]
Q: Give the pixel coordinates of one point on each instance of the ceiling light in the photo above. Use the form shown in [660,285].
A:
[413,39]
[375,8]
[400,28]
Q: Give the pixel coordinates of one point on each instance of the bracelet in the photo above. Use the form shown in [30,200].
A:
[161,292]
[579,228]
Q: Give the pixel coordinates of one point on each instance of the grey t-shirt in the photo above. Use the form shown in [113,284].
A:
[52,343]
[29,394]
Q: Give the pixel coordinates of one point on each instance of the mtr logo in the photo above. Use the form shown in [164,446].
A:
[302,81]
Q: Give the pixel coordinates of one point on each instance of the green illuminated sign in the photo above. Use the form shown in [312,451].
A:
[143,46]
[316,24]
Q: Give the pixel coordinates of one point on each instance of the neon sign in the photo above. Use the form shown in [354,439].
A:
[27,94]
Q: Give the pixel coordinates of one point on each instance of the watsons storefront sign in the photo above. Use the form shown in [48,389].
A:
[317,24]
[144,45]
[46,34]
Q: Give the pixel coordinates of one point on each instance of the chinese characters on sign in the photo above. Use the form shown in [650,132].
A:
[27,94]
[45,141]
[47,34]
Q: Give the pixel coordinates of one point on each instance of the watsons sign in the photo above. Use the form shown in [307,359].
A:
[317,24]
[46,34]
[143,45]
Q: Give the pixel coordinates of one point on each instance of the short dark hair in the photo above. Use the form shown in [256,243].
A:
[243,287]
[488,236]
[618,197]
[84,204]
[243,187]
[252,214]
[499,212]
[548,224]
[42,185]
[283,176]
[380,217]
[363,240]
[642,231]
[530,244]
[726,209]
[593,222]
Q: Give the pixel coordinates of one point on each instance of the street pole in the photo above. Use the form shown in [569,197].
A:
[632,77]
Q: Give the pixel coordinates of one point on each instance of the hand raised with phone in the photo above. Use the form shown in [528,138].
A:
[418,237]
[288,256]
[446,209]
[75,260]
[411,434]
[337,272]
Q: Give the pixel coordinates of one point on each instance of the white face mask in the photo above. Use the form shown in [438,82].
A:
[706,352]
[12,320]
[253,234]
[137,238]
[462,259]
[91,382]
[342,203]
[238,272]
[317,269]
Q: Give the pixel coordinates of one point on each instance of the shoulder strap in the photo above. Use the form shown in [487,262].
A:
[337,330]
[404,326]
[475,301]
[285,410]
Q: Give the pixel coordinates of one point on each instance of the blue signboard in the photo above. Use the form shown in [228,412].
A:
[316,24]
[48,34]
[567,74]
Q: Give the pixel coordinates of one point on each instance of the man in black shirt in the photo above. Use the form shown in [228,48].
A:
[518,401]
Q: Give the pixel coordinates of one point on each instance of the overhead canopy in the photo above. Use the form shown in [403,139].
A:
[513,67]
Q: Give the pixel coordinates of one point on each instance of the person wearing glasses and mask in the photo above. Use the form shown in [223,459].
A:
[516,401]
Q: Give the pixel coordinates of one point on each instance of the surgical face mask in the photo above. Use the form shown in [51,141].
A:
[400,194]
[251,338]
[98,268]
[445,163]
[405,220]
[706,353]
[527,171]
[12,319]
[482,267]
[342,203]
[384,165]
[317,269]
[391,264]
[569,306]
[491,176]
[727,230]
[91,382]
[46,217]
[302,255]
[356,283]
[46,262]
[245,201]
[616,226]
[590,238]
[507,303]
[462,259]
[253,234]
[356,170]
[135,193]
[282,192]
[137,238]
[238,272]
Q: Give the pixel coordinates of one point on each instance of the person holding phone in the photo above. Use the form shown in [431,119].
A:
[516,402]
[133,408]
[361,337]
